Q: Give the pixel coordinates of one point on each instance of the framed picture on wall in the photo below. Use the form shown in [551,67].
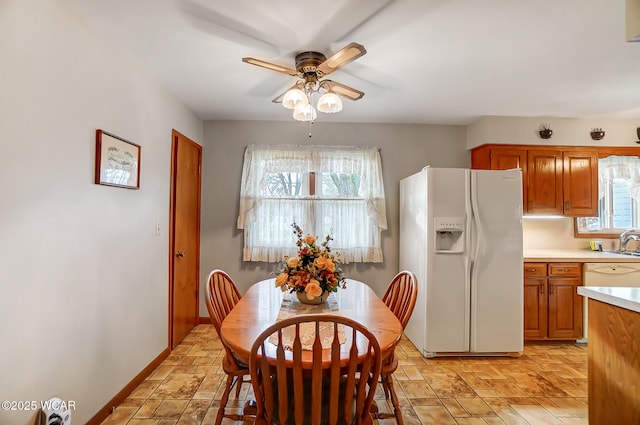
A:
[117,161]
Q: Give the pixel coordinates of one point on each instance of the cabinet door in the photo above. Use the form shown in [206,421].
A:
[481,157]
[510,158]
[535,307]
[544,175]
[580,184]
[565,308]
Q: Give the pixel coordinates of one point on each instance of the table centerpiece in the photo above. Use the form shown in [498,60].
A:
[313,273]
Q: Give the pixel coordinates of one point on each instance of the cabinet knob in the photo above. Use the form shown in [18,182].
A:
[180,254]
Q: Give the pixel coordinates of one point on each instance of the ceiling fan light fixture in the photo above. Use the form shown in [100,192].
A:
[329,103]
[293,98]
[304,112]
[311,68]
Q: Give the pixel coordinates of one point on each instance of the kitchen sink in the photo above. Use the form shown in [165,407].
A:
[632,253]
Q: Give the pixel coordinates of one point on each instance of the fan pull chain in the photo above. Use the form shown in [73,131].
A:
[310,98]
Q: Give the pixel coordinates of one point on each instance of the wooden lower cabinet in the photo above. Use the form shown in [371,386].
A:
[552,306]
[535,301]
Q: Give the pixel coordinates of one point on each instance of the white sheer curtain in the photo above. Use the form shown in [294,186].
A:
[355,219]
[620,167]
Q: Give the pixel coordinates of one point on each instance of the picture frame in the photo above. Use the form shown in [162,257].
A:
[117,161]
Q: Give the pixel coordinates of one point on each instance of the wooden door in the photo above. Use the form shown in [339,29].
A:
[565,308]
[510,158]
[535,300]
[184,240]
[580,184]
[544,175]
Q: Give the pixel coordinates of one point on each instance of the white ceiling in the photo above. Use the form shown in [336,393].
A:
[428,61]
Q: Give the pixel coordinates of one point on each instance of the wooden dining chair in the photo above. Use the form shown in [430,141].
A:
[294,385]
[400,298]
[222,296]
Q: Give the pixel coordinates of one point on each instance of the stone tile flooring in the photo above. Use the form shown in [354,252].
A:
[547,385]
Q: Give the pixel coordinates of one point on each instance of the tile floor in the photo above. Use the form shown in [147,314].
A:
[547,385]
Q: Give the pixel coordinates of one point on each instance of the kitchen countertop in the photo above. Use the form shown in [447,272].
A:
[576,256]
[627,298]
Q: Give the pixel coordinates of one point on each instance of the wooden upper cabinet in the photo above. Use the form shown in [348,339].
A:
[507,159]
[563,181]
[502,158]
[558,180]
[544,181]
[580,188]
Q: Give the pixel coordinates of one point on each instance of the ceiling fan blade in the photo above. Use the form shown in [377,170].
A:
[342,90]
[271,35]
[351,16]
[271,66]
[348,53]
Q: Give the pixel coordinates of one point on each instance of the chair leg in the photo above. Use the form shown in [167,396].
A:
[224,399]
[239,381]
[387,384]
[250,410]
[394,400]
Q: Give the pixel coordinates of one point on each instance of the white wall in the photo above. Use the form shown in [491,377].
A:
[405,149]
[566,131]
[551,233]
[83,278]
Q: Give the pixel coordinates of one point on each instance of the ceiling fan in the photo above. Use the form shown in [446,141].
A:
[311,70]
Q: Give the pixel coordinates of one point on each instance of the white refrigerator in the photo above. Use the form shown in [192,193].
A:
[461,234]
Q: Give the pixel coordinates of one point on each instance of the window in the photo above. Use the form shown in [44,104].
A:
[324,189]
[618,198]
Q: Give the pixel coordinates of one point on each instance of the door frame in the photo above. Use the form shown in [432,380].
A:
[175,136]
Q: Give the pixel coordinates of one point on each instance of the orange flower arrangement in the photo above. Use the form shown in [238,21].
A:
[314,270]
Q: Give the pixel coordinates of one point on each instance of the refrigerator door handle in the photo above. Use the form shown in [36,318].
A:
[477,225]
[469,259]
[470,230]
[474,253]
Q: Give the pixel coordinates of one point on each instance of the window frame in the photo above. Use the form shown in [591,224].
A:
[266,217]
[610,232]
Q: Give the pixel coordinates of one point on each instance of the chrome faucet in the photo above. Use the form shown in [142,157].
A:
[626,236]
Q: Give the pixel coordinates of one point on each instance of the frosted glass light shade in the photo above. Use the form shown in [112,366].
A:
[329,103]
[293,97]
[304,112]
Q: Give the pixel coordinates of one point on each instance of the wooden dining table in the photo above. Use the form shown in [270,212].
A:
[261,305]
